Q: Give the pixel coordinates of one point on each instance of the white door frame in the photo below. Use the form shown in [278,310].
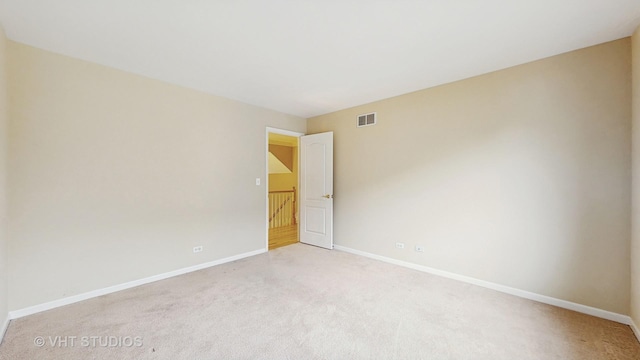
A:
[266,177]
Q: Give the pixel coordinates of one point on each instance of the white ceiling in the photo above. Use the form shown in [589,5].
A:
[310,57]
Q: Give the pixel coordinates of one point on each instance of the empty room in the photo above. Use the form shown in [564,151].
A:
[319,179]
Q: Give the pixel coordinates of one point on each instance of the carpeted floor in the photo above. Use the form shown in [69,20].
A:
[302,302]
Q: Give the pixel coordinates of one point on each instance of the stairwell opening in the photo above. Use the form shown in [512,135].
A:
[283,190]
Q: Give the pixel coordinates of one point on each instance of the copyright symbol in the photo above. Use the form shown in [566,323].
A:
[38,341]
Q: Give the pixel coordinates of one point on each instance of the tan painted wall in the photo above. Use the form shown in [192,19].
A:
[282,182]
[284,154]
[279,182]
[3,202]
[635,241]
[519,177]
[116,177]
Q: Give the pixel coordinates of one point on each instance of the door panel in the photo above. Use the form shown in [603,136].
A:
[316,222]
[316,190]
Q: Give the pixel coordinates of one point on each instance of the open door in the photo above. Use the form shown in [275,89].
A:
[316,190]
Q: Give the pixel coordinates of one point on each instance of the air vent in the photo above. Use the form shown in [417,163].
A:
[366,119]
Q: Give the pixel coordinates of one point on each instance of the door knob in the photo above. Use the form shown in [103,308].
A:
[328,196]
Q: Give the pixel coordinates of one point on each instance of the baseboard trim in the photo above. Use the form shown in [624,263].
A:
[635,329]
[111,289]
[3,329]
[623,319]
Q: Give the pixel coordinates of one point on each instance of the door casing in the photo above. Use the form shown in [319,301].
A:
[266,177]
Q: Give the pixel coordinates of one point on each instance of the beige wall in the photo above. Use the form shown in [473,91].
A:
[519,177]
[635,241]
[115,177]
[3,202]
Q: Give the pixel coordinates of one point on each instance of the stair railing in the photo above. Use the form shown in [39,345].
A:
[282,208]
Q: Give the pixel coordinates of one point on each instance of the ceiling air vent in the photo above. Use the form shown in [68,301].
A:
[366,119]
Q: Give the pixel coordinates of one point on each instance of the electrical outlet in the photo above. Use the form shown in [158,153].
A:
[419,248]
[400,245]
[197,249]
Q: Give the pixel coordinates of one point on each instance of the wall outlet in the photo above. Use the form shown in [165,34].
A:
[419,248]
[197,249]
[400,245]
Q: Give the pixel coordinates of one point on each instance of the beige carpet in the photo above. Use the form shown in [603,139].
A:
[301,302]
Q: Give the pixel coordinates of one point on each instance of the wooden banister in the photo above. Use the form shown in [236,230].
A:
[282,205]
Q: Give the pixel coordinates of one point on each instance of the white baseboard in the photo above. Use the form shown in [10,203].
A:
[624,319]
[635,329]
[3,328]
[111,289]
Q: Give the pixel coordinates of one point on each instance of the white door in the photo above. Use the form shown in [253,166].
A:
[316,190]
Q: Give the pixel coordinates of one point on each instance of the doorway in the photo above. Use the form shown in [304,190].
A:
[282,184]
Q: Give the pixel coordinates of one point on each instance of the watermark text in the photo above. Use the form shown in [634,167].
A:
[88,341]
